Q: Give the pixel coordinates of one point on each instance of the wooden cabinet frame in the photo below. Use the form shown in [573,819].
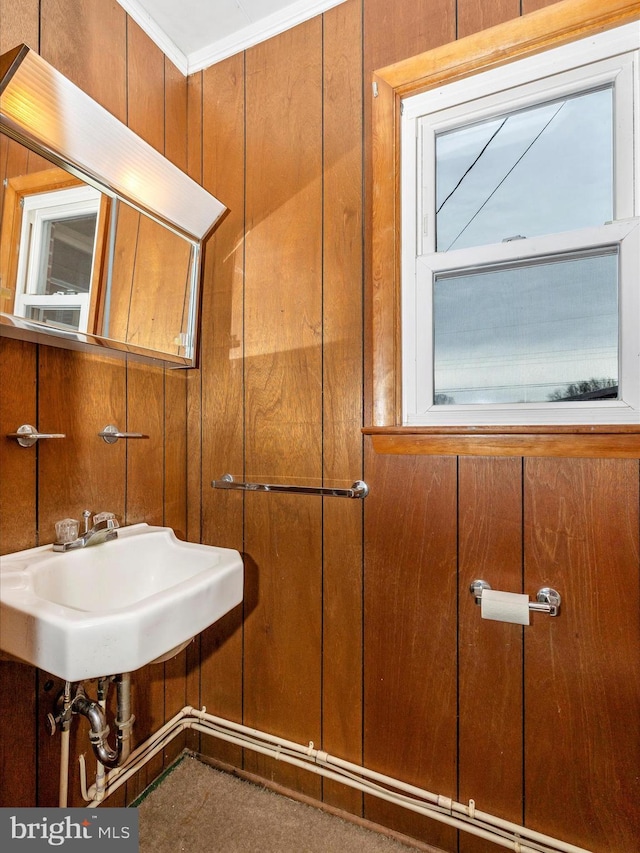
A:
[551,27]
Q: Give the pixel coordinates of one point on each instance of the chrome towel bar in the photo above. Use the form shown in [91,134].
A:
[358,490]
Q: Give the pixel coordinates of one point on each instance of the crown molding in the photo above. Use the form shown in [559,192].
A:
[265,28]
[259,31]
[156,34]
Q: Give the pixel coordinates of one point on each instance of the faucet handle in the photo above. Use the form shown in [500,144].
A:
[66,530]
[109,517]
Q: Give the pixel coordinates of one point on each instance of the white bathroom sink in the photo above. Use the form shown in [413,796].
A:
[113,607]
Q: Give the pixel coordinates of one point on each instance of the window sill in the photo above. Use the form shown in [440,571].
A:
[569,441]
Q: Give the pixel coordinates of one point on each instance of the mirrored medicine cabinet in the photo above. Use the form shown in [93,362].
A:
[101,237]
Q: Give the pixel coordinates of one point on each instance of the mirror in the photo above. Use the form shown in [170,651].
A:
[100,236]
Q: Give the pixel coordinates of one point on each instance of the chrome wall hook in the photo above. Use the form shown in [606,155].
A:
[27,435]
[110,434]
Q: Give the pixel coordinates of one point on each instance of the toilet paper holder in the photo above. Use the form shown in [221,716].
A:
[548,600]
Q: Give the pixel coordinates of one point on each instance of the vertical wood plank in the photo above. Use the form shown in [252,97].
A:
[194,376]
[392,31]
[474,15]
[175,516]
[283,376]
[175,451]
[342,392]
[194,406]
[222,378]
[283,255]
[282,678]
[18,750]
[582,688]
[410,712]
[533,5]
[145,503]
[175,111]
[395,31]
[145,87]
[145,457]
[88,47]
[18,405]
[19,24]
[490,653]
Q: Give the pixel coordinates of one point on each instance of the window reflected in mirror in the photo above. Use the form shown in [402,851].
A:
[57,250]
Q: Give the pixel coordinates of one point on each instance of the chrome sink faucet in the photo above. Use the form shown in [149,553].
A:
[103,530]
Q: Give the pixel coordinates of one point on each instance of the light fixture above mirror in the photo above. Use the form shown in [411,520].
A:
[145,228]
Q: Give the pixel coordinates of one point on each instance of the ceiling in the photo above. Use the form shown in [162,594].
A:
[197,33]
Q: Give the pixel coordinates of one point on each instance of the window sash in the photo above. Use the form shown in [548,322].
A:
[616,72]
[76,301]
[418,331]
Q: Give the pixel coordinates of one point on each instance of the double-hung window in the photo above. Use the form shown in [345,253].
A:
[57,251]
[521,241]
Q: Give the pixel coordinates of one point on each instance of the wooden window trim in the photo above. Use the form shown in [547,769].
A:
[546,28]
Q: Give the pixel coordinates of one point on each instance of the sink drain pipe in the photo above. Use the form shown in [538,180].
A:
[94,711]
[461,816]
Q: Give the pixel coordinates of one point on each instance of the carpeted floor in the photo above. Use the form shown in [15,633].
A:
[197,809]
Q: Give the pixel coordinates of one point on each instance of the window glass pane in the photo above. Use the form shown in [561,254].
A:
[540,170]
[63,318]
[67,255]
[527,333]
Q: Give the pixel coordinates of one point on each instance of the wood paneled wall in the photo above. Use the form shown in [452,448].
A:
[357,630]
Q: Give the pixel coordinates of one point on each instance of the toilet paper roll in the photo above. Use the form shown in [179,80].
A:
[505,606]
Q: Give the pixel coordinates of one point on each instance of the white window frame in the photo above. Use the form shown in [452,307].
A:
[607,58]
[38,209]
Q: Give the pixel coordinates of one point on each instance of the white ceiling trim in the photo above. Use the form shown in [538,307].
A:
[259,31]
[156,34]
[292,15]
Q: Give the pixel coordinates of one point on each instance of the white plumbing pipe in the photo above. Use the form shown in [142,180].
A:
[138,758]
[63,790]
[277,752]
[467,817]
[125,771]
[360,771]
[64,768]
[433,805]
[366,788]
